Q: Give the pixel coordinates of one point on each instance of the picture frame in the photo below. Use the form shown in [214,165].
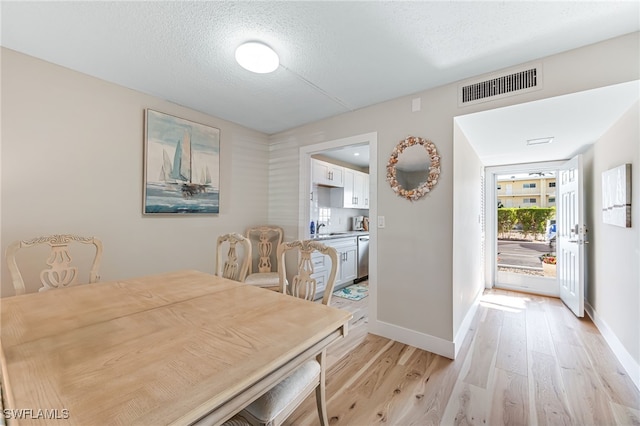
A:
[616,196]
[181,166]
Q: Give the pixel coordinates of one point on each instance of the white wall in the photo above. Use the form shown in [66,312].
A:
[613,255]
[415,302]
[468,242]
[72,158]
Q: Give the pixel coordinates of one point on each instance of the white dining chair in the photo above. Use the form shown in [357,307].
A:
[264,244]
[277,404]
[61,272]
[233,266]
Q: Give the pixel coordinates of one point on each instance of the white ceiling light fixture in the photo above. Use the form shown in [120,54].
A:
[540,141]
[257,57]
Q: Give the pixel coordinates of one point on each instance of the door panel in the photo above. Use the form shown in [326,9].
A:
[571,233]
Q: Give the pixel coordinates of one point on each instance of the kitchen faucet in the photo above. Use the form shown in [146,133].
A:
[320,225]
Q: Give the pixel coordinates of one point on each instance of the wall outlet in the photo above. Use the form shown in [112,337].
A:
[380,221]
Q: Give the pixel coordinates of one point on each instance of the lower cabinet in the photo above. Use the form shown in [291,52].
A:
[347,249]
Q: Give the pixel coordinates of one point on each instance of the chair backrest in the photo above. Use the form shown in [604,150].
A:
[303,285]
[232,267]
[264,242]
[60,272]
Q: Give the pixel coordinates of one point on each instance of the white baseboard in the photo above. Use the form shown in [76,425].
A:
[419,340]
[628,363]
[424,341]
[466,323]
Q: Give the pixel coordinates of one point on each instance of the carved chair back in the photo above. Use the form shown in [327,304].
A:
[265,240]
[60,273]
[303,284]
[232,266]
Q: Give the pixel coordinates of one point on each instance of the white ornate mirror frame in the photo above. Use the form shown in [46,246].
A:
[413,194]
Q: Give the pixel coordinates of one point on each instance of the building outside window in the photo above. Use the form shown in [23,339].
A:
[512,190]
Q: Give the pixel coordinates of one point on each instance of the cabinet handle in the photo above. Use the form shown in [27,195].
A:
[311,195]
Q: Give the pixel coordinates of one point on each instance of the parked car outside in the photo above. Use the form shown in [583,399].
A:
[550,234]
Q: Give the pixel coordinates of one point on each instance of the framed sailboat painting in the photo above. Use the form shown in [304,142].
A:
[181,166]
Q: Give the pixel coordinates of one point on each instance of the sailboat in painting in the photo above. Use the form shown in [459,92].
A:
[181,172]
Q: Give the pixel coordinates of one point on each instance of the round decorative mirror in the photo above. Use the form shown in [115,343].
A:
[413,168]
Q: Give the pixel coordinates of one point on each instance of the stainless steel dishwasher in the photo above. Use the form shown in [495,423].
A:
[363,257]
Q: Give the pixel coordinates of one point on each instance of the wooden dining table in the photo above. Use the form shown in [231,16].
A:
[163,349]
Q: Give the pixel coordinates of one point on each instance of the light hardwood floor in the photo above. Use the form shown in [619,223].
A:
[527,360]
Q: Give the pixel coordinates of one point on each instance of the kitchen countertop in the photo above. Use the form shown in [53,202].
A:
[336,235]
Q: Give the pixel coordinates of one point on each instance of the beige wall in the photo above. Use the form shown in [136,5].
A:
[72,158]
[414,272]
[613,255]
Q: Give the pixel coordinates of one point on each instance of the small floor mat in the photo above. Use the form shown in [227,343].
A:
[353,292]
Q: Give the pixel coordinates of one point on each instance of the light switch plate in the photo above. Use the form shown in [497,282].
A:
[380,221]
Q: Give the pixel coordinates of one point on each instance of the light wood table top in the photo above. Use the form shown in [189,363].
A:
[163,349]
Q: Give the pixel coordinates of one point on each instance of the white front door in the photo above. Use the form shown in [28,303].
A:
[571,233]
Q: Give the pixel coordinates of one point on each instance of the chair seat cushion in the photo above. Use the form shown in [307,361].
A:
[269,405]
[263,279]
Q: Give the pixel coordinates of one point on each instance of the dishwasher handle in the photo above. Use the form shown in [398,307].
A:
[363,238]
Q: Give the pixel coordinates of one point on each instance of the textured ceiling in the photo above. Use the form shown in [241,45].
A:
[574,121]
[335,56]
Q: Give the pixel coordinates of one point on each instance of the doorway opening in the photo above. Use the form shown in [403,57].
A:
[521,205]
[306,204]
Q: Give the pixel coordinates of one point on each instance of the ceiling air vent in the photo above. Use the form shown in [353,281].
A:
[494,87]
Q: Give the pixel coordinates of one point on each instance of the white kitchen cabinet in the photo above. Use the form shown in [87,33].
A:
[355,192]
[361,195]
[321,267]
[328,174]
[347,249]
[365,192]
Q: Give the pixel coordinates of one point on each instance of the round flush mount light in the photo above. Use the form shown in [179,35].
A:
[257,57]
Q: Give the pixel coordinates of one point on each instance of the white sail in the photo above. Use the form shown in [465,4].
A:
[182,159]
[165,170]
[185,165]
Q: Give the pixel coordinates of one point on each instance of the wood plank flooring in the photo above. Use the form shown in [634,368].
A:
[527,360]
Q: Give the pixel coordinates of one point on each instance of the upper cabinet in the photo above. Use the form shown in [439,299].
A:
[327,174]
[352,186]
[356,190]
